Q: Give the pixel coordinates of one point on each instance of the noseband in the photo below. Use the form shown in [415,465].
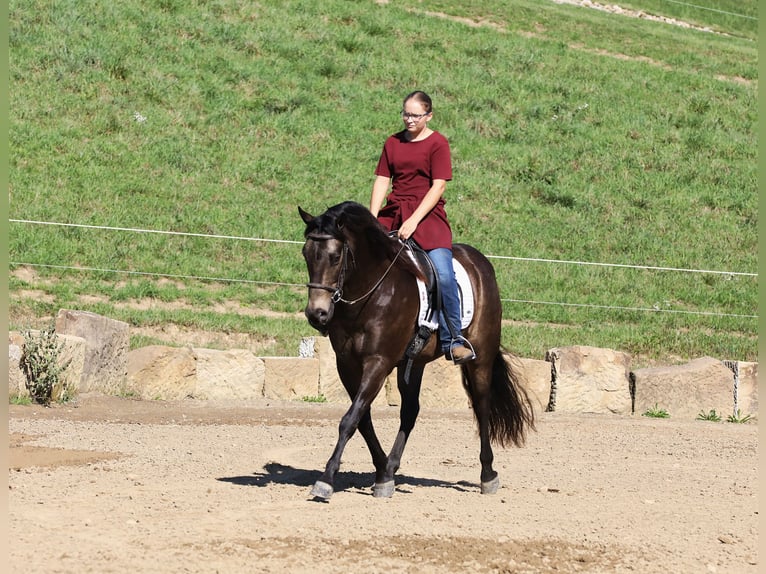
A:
[337,291]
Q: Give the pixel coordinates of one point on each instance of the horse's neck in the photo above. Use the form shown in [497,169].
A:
[384,277]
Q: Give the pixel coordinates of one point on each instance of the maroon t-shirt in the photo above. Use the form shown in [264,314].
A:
[413,166]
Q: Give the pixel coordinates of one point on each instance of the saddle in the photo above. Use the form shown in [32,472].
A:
[430,301]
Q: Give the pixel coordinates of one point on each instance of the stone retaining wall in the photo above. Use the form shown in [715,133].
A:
[570,379]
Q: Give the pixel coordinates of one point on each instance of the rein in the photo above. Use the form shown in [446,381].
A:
[337,292]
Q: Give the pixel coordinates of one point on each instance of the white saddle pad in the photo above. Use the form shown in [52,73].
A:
[465,292]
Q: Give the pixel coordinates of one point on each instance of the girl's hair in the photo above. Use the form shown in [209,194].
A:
[421,97]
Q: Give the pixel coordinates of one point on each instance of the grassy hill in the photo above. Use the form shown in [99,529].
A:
[589,149]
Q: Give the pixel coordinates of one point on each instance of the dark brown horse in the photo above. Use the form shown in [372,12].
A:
[363,294]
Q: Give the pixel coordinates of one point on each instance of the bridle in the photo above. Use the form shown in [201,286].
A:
[337,291]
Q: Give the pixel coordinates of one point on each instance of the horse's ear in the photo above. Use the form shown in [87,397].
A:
[307,217]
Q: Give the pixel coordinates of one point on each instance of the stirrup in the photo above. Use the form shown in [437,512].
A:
[465,343]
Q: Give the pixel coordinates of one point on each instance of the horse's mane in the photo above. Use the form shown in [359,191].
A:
[353,220]
[348,214]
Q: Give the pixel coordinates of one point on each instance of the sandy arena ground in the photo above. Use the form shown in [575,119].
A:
[114,485]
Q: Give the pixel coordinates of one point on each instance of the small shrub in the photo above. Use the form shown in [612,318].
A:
[316,399]
[738,418]
[710,416]
[41,365]
[656,413]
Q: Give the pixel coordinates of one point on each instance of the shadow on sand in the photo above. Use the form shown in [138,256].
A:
[275,473]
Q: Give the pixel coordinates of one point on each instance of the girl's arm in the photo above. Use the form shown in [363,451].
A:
[429,202]
[379,189]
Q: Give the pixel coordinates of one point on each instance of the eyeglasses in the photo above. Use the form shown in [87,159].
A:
[409,116]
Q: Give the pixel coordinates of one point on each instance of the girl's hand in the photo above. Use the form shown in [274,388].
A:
[407,229]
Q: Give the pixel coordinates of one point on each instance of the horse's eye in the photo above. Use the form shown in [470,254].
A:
[334,259]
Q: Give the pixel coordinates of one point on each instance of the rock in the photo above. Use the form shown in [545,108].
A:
[535,378]
[16,379]
[589,380]
[73,352]
[160,372]
[290,378]
[685,391]
[107,343]
[726,539]
[442,387]
[172,373]
[236,374]
[330,385]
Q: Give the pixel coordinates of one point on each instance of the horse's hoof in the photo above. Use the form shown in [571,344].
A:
[491,486]
[383,489]
[321,490]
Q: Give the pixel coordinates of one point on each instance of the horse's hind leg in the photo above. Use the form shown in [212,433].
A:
[408,414]
[479,380]
[490,481]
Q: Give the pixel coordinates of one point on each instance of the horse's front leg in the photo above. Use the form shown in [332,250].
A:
[323,488]
[379,458]
[357,416]
[409,390]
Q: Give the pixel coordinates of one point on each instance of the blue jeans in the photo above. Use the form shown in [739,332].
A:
[442,260]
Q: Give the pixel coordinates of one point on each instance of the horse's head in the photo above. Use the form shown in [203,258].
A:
[346,249]
[326,255]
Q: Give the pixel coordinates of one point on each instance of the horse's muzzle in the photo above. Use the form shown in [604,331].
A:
[319,317]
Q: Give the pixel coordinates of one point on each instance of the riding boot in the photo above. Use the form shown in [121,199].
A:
[461,354]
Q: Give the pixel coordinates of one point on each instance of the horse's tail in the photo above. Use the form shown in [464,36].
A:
[510,410]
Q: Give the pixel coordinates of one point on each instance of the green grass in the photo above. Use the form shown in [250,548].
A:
[709,416]
[739,418]
[715,417]
[725,16]
[577,135]
[656,412]
[22,400]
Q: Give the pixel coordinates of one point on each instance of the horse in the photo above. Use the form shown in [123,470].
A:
[363,294]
